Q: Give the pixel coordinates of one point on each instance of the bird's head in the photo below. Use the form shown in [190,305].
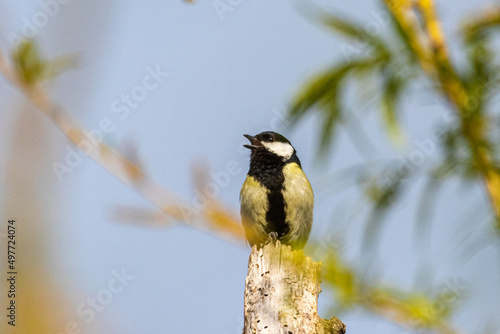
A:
[271,142]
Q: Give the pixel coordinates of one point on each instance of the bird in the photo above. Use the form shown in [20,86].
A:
[276,198]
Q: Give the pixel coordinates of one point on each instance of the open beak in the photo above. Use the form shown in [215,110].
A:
[255,143]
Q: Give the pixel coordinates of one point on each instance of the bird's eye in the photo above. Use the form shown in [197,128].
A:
[270,139]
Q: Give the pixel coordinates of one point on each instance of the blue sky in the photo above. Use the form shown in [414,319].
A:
[218,76]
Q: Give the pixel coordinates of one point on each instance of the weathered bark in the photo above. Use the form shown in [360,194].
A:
[281,293]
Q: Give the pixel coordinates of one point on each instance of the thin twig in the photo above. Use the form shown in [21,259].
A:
[222,222]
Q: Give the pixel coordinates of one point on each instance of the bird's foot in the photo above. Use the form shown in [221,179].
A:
[273,237]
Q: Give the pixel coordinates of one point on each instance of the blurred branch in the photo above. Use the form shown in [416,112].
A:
[434,31]
[473,121]
[217,219]
[411,310]
[407,27]
[125,214]
[482,21]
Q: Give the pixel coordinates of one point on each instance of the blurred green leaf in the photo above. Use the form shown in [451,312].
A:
[323,88]
[392,88]
[421,308]
[355,32]
[28,62]
[382,190]
[325,92]
[482,24]
[32,68]
[477,81]
[382,193]
[332,117]
[402,36]
[425,208]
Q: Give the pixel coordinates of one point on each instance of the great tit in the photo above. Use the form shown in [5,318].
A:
[276,196]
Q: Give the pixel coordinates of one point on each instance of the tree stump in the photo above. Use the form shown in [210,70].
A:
[281,293]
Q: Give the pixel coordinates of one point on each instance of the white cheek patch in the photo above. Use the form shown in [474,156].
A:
[284,150]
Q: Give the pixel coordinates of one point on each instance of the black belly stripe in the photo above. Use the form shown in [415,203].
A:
[275,217]
[267,168]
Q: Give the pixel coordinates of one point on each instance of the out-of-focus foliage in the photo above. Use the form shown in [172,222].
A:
[430,311]
[412,48]
[32,68]
[28,62]
[324,93]
[26,71]
[417,54]
[342,279]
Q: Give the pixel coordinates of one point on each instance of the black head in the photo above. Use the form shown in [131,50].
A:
[271,142]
